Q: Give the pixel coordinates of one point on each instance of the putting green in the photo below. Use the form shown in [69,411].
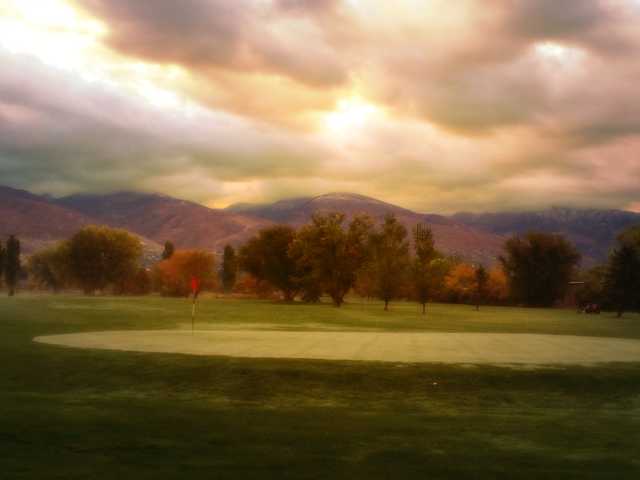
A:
[461,348]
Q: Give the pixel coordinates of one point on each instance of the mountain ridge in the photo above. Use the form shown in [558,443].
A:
[40,222]
[185,223]
[157,217]
[592,230]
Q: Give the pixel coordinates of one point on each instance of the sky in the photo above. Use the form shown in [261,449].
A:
[439,106]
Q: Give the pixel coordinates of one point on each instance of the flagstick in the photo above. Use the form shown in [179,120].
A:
[193,313]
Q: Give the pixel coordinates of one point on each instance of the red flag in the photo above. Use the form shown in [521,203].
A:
[195,285]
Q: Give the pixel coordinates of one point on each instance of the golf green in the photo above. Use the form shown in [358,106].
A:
[415,347]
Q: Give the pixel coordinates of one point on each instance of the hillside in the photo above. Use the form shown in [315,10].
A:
[593,231]
[162,218]
[35,220]
[39,222]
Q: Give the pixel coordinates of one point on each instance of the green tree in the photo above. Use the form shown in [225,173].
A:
[329,256]
[229,268]
[169,248]
[390,258]
[266,257]
[425,253]
[439,268]
[50,267]
[622,281]
[12,264]
[538,267]
[102,256]
[482,278]
[592,291]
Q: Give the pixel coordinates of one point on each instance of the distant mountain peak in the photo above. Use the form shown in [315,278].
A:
[346,196]
[355,200]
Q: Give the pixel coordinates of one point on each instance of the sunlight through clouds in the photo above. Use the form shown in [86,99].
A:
[350,113]
[58,35]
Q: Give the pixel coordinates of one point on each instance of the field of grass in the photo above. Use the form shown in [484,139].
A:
[69,413]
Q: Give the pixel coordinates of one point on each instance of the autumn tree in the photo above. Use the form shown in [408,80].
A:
[365,284]
[102,256]
[460,283]
[229,268]
[12,264]
[168,250]
[425,253]
[248,284]
[497,287]
[466,283]
[329,255]
[266,257]
[539,267]
[139,282]
[440,269]
[173,275]
[390,258]
[622,280]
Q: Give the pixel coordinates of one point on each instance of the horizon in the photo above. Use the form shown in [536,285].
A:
[472,109]
[48,196]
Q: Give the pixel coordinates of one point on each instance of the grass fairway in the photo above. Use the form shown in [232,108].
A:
[73,413]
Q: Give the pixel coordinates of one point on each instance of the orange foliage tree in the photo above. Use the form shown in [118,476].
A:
[138,283]
[497,288]
[460,283]
[173,275]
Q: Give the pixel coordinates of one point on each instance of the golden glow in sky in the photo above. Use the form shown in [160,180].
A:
[350,113]
[61,36]
[49,29]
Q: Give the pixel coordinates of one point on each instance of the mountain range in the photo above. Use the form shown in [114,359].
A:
[592,231]
[41,220]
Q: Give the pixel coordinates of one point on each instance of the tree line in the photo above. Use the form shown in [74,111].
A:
[388,262]
[615,285]
[103,259]
[332,257]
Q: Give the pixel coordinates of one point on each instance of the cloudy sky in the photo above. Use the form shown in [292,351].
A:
[432,104]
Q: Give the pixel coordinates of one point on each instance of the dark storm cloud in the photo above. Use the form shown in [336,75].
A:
[65,134]
[601,25]
[553,19]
